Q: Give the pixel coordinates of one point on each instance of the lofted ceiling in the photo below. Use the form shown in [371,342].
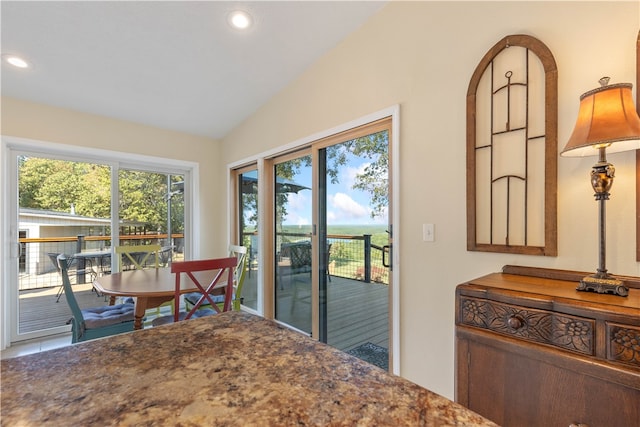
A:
[176,65]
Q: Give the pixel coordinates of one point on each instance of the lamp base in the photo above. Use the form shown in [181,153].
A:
[603,284]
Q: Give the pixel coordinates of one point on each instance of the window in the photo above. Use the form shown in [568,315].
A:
[63,202]
[320,215]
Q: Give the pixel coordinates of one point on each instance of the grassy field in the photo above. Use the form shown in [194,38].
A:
[347,255]
[378,232]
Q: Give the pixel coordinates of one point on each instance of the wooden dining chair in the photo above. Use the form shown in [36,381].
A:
[241,254]
[94,322]
[222,270]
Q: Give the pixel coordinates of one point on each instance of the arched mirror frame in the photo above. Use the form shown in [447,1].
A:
[545,57]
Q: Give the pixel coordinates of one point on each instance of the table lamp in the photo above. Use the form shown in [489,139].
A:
[607,120]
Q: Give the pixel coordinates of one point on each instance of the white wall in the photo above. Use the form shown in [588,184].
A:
[421,55]
[45,123]
[39,122]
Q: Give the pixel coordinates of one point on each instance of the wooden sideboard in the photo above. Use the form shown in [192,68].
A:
[533,351]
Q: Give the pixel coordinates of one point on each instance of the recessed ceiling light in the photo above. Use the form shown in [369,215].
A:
[16,61]
[240,20]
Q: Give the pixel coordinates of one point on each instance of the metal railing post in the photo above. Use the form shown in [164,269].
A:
[81,261]
[367,258]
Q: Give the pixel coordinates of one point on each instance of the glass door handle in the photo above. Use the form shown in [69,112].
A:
[386,249]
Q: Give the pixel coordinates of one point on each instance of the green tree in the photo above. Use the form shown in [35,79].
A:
[144,196]
[57,185]
[140,197]
[375,177]
[95,199]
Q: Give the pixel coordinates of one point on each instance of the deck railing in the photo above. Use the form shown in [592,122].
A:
[350,256]
[37,255]
[355,257]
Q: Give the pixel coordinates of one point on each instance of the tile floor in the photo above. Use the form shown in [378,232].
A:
[36,346]
[55,341]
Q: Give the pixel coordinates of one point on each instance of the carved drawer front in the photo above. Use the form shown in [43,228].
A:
[571,333]
[623,344]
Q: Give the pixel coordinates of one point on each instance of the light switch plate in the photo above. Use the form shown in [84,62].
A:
[428,232]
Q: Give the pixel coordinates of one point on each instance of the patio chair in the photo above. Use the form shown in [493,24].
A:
[139,256]
[165,255]
[53,256]
[222,267]
[240,253]
[95,322]
[295,258]
[299,261]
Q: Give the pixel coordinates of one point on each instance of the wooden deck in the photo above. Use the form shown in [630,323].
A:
[357,311]
[39,309]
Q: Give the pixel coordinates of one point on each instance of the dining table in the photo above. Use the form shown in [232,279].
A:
[149,287]
[91,262]
[230,369]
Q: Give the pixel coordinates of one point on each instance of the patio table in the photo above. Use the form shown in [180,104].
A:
[92,258]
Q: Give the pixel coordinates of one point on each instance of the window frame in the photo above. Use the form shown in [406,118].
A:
[11,147]
[264,162]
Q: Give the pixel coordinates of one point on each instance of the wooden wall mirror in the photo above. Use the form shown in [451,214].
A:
[512,109]
[638,151]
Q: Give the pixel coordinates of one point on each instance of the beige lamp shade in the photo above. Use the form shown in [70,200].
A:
[607,118]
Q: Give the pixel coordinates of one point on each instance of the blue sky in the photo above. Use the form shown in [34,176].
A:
[345,206]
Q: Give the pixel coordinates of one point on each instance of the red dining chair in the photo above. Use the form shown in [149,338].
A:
[221,268]
[240,252]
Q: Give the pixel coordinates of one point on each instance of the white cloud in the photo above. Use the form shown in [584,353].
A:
[350,174]
[383,217]
[297,201]
[297,208]
[294,218]
[342,208]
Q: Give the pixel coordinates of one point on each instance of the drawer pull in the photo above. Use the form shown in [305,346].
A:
[578,425]
[515,322]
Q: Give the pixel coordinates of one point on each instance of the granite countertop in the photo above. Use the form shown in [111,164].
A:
[231,369]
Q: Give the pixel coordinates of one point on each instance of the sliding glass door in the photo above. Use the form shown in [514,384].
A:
[247,190]
[81,207]
[64,206]
[328,237]
[292,202]
[353,242]
[151,211]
